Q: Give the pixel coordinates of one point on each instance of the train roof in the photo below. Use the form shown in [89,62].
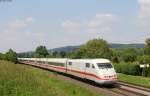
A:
[100,60]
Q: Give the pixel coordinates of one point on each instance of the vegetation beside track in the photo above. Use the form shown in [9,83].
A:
[137,80]
[22,80]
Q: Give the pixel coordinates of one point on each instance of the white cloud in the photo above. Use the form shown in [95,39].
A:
[99,23]
[17,25]
[15,36]
[29,19]
[70,25]
[13,29]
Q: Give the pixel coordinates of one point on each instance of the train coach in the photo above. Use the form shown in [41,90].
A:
[99,70]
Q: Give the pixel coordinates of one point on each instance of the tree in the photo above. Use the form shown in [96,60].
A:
[25,55]
[129,55]
[147,47]
[41,52]
[55,53]
[145,59]
[50,55]
[11,56]
[62,54]
[96,48]
[115,56]
[79,53]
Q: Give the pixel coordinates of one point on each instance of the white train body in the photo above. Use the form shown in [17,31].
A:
[98,70]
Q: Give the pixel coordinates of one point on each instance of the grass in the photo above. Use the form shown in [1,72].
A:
[22,80]
[137,80]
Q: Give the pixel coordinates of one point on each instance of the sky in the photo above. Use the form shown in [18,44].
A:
[26,24]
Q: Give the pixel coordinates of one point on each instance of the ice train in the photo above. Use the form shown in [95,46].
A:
[99,70]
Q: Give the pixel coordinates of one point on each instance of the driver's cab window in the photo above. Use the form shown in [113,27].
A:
[93,66]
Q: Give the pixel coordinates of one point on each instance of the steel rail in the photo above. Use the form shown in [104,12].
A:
[143,91]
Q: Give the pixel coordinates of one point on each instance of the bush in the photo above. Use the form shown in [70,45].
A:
[117,68]
[2,56]
[11,56]
[128,68]
[146,72]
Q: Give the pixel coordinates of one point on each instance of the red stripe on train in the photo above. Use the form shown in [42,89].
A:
[85,73]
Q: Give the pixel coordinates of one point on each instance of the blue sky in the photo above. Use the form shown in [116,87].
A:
[25,24]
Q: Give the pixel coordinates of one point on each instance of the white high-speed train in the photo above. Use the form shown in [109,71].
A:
[99,70]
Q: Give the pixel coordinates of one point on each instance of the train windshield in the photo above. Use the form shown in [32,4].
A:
[104,65]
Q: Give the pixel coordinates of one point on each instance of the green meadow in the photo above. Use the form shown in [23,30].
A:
[137,80]
[23,80]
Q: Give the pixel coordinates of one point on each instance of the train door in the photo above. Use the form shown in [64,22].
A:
[90,71]
[81,69]
[87,70]
[66,63]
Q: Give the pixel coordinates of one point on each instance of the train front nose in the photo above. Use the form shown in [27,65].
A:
[107,79]
[110,79]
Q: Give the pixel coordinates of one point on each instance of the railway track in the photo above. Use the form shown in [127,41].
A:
[143,91]
[119,89]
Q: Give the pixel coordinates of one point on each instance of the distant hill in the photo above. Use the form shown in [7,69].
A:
[73,48]
[65,49]
[113,45]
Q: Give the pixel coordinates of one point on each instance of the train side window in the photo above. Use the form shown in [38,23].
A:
[88,65]
[70,63]
[93,66]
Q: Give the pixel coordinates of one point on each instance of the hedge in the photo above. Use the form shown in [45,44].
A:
[128,68]
[146,72]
